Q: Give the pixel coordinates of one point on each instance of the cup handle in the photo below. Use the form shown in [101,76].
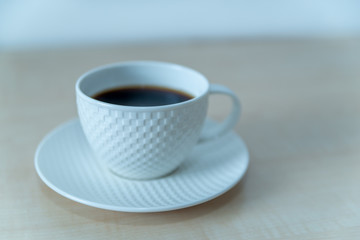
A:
[230,122]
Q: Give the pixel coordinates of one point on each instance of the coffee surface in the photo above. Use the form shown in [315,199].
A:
[142,96]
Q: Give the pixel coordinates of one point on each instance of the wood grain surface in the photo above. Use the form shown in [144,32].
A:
[300,120]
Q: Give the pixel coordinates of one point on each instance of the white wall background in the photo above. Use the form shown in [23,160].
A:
[62,23]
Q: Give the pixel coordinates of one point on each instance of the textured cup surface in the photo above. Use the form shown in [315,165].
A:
[142,142]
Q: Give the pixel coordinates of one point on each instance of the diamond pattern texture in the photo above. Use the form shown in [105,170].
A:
[142,144]
[65,162]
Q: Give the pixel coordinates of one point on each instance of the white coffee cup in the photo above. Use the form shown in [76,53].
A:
[147,142]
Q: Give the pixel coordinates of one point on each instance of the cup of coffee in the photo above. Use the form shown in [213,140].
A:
[142,118]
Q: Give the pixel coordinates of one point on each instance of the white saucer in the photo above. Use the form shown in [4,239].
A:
[65,162]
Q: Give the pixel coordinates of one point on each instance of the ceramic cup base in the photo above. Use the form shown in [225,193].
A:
[64,161]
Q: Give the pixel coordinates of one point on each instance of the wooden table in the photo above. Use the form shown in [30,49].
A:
[300,120]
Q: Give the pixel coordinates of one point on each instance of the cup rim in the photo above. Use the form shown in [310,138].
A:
[89,99]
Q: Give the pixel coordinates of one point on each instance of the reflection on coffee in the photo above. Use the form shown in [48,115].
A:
[142,96]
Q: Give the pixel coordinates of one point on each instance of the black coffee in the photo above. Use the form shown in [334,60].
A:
[142,96]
